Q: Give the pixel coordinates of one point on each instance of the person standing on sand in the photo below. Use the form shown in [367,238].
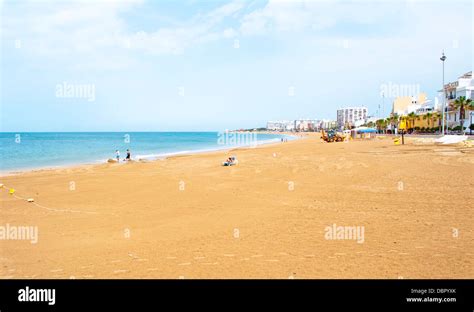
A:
[117,154]
[128,157]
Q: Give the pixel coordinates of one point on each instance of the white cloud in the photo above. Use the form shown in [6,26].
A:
[202,28]
[285,16]
[86,30]
[92,32]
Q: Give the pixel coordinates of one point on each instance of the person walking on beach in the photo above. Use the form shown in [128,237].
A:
[128,157]
[117,154]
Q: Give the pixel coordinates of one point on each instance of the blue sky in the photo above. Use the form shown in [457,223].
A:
[213,65]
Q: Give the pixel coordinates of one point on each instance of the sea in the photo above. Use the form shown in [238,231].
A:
[22,151]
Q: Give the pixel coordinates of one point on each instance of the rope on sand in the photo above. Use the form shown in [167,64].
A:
[11,191]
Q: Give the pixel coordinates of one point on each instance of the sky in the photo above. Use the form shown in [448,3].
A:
[212,65]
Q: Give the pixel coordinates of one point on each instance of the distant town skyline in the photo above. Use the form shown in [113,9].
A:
[208,66]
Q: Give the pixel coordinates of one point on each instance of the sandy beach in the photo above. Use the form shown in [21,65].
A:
[267,217]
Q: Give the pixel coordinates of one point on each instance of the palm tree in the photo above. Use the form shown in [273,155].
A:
[437,117]
[393,121]
[462,104]
[388,122]
[429,117]
[380,124]
[411,117]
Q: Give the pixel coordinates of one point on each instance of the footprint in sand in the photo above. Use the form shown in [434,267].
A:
[467,160]
[444,161]
[133,256]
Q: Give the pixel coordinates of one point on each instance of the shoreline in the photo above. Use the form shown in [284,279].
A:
[164,156]
[157,157]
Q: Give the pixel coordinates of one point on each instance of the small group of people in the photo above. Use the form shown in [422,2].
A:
[127,158]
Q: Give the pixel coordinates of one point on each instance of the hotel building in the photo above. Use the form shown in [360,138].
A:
[347,117]
[281,125]
[464,86]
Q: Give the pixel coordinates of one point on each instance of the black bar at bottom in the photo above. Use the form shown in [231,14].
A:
[406,295]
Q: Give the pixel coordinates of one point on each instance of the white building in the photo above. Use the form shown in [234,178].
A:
[427,107]
[349,115]
[281,125]
[307,125]
[365,121]
[464,86]
[417,107]
[327,124]
[404,105]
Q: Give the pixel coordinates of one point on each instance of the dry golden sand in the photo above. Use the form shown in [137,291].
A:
[247,221]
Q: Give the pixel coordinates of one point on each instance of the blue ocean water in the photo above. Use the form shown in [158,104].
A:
[32,150]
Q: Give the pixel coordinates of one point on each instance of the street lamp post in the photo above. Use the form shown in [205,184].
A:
[383,106]
[470,129]
[382,111]
[443,58]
